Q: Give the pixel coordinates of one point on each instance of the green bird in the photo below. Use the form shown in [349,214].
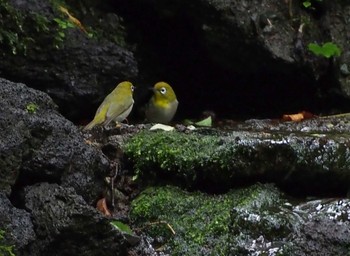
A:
[115,107]
[163,104]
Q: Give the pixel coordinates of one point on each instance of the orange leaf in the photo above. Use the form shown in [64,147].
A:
[72,19]
[298,117]
[102,207]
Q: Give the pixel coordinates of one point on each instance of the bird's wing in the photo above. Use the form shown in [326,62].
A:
[116,109]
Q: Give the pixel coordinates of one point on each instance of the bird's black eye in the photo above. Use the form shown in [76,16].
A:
[162,90]
[132,88]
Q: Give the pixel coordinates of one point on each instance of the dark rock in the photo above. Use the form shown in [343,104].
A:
[17,224]
[242,58]
[326,228]
[50,180]
[66,225]
[38,144]
[45,50]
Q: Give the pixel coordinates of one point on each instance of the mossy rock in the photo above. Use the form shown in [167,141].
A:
[211,224]
[218,161]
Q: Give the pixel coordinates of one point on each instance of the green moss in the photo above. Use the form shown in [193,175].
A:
[203,223]
[5,250]
[178,154]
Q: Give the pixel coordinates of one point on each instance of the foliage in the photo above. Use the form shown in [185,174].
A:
[62,25]
[25,32]
[308,3]
[327,50]
[5,250]
[22,32]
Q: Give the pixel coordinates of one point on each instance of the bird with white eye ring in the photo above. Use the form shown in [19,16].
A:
[163,105]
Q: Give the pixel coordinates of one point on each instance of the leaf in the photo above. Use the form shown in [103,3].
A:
[298,117]
[121,227]
[327,50]
[73,20]
[126,231]
[162,127]
[207,122]
[307,4]
[102,207]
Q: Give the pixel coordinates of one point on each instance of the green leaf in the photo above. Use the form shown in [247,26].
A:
[59,21]
[121,227]
[331,49]
[205,122]
[70,24]
[327,50]
[307,4]
[61,34]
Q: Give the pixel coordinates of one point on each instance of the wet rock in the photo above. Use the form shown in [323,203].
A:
[256,220]
[326,228]
[304,158]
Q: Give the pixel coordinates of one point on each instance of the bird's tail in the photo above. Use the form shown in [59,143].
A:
[90,125]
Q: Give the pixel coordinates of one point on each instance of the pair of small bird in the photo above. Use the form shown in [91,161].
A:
[118,105]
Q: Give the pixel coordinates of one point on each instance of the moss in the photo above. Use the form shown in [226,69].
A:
[217,162]
[202,222]
[5,250]
[197,159]
[178,154]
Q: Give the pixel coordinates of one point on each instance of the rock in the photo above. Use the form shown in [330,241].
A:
[326,227]
[248,54]
[303,158]
[66,225]
[38,144]
[256,220]
[17,224]
[47,51]
[37,147]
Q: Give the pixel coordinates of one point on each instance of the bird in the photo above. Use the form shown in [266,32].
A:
[163,105]
[115,107]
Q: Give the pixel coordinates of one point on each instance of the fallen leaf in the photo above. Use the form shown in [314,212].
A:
[207,122]
[162,127]
[102,207]
[298,117]
[126,231]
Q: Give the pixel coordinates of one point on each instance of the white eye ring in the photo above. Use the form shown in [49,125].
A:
[132,88]
[162,90]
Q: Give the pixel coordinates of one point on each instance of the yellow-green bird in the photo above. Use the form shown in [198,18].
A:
[115,107]
[163,104]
